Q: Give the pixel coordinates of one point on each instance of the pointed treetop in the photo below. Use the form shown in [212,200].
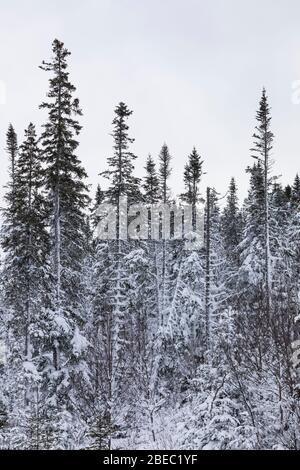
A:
[192,175]
[164,171]
[11,139]
[151,182]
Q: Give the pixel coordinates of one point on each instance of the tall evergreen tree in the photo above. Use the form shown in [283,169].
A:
[151,182]
[26,272]
[121,163]
[110,312]
[192,176]
[12,150]
[164,173]
[67,199]
[10,211]
[12,305]
[232,224]
[263,144]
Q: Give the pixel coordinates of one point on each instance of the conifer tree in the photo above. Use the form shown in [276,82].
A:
[110,311]
[151,182]
[26,266]
[67,199]
[296,191]
[121,163]
[99,196]
[12,150]
[232,224]
[98,200]
[192,176]
[10,211]
[216,270]
[263,144]
[13,397]
[164,173]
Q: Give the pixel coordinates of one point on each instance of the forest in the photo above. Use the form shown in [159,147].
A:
[142,343]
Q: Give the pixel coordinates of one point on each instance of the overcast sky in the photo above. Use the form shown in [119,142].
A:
[191,70]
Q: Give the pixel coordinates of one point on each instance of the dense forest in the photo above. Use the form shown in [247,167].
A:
[142,343]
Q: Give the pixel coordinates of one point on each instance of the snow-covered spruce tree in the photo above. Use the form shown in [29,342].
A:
[99,198]
[164,173]
[34,268]
[266,309]
[150,190]
[12,400]
[185,310]
[232,225]
[12,150]
[26,272]
[152,198]
[232,230]
[10,211]
[216,268]
[192,175]
[263,144]
[295,191]
[252,339]
[121,163]
[254,279]
[111,300]
[151,182]
[67,199]
[251,277]
[12,380]
[160,251]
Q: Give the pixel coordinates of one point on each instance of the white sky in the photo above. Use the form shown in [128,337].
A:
[191,70]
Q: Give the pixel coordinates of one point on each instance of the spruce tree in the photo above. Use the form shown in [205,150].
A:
[12,322]
[10,210]
[232,224]
[296,191]
[151,182]
[98,200]
[33,239]
[192,177]
[12,150]
[26,272]
[110,311]
[67,198]
[164,173]
[263,144]
[121,163]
